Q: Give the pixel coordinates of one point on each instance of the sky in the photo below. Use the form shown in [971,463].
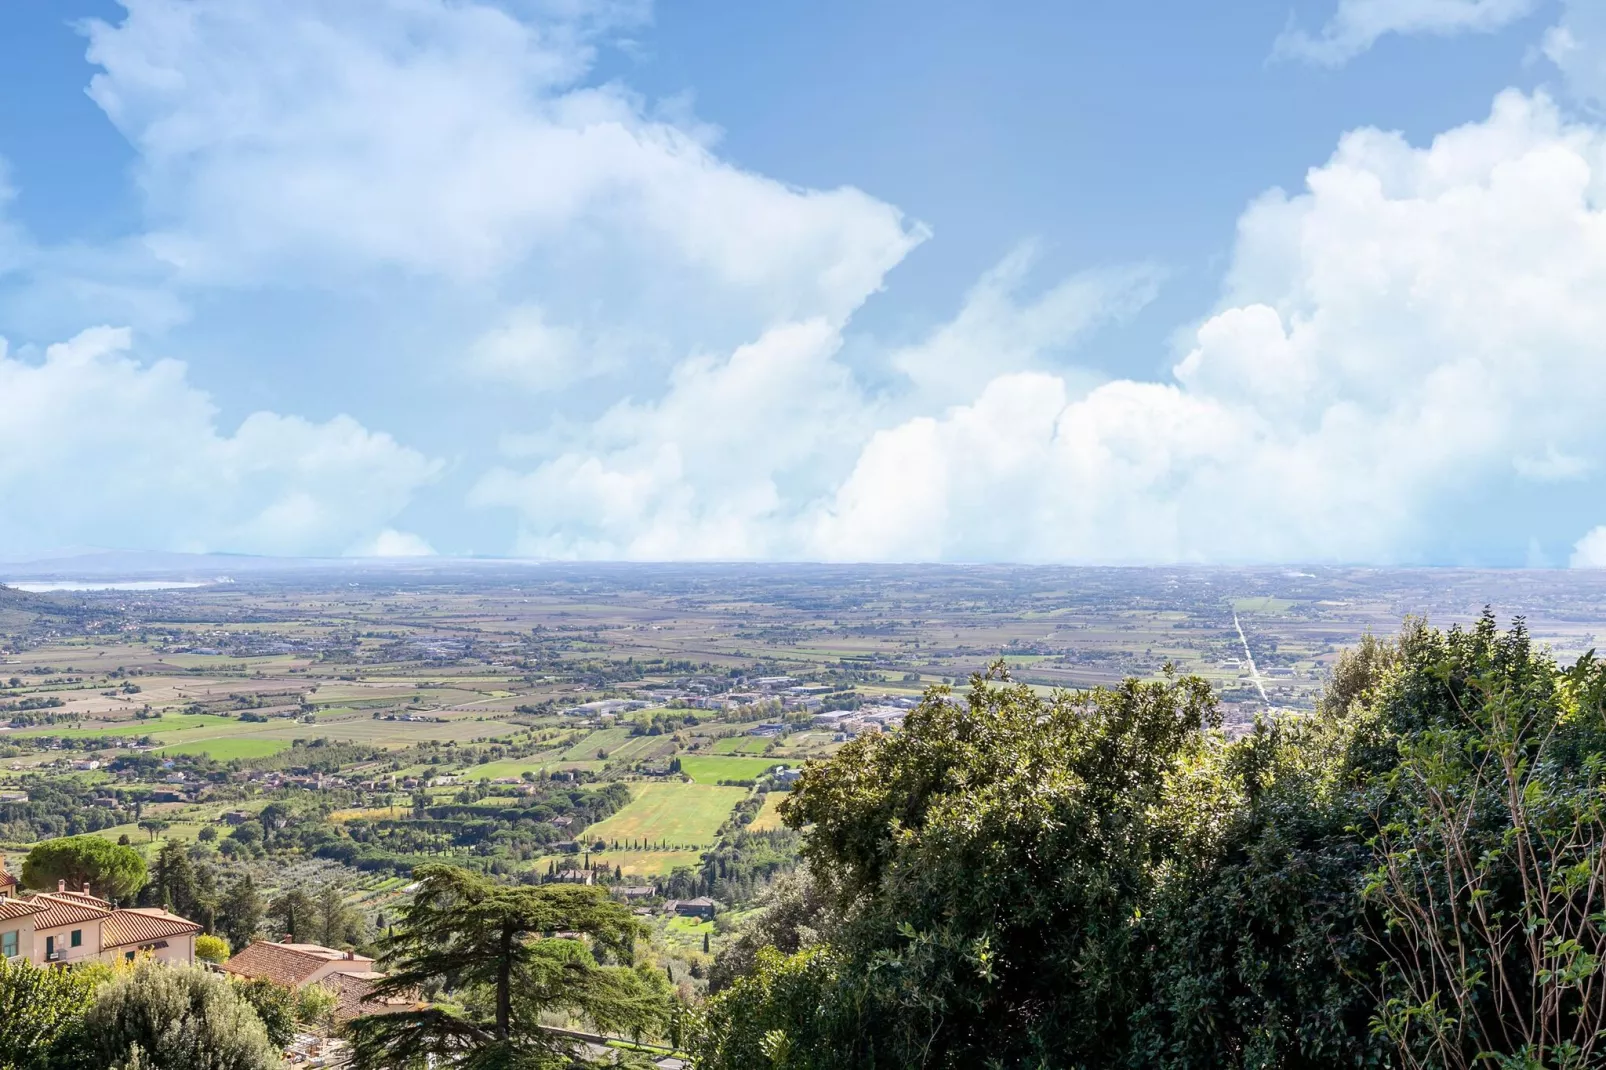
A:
[1134,283]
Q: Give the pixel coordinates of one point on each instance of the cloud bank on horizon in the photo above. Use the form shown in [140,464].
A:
[660,338]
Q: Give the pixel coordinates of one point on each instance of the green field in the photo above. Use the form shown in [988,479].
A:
[673,813]
[229,747]
[740,745]
[515,767]
[770,816]
[712,770]
[608,739]
[178,722]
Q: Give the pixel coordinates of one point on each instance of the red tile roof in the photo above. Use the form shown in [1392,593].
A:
[288,964]
[56,910]
[354,995]
[6,879]
[143,925]
[16,908]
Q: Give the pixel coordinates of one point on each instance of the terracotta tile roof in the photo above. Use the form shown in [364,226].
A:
[6,879]
[85,898]
[16,908]
[143,925]
[56,910]
[287,964]
[354,998]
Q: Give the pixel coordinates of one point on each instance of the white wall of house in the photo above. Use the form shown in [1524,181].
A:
[56,945]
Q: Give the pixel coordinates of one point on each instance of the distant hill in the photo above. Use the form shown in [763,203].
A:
[20,610]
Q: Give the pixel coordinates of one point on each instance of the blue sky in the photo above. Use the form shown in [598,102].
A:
[593,278]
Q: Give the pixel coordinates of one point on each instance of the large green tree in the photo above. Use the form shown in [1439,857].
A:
[493,957]
[36,1005]
[240,912]
[164,1017]
[105,868]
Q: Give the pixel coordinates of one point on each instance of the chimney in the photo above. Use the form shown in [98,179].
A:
[61,886]
[87,889]
[350,955]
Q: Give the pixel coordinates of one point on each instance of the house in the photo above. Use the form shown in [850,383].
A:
[350,976]
[701,907]
[645,891]
[787,777]
[70,928]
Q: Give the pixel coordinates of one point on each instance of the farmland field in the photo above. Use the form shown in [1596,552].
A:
[769,816]
[673,813]
[714,769]
[229,747]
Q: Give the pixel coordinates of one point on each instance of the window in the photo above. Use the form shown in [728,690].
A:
[128,956]
[8,944]
[50,947]
[77,937]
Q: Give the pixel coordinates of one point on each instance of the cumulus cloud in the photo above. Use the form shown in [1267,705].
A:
[93,442]
[393,543]
[1358,24]
[456,141]
[728,462]
[1590,551]
[1419,322]
[1577,46]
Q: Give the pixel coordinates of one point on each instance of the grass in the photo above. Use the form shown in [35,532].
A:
[711,770]
[769,816]
[229,747]
[602,739]
[673,813]
[153,726]
[514,767]
[740,745]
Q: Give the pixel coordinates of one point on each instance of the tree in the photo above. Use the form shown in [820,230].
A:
[295,913]
[85,862]
[153,825]
[179,885]
[483,940]
[211,948]
[335,923]
[274,1004]
[240,912]
[36,1005]
[176,1018]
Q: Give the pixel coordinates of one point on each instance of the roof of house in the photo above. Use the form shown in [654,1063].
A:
[288,964]
[85,898]
[354,995]
[143,925]
[6,879]
[17,908]
[56,910]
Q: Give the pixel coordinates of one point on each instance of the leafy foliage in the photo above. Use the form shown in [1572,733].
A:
[168,1017]
[498,951]
[92,862]
[36,1005]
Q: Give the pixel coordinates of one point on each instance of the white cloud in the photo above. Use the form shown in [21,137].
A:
[1590,551]
[91,441]
[393,543]
[1577,45]
[453,140]
[729,461]
[1416,325]
[1358,24]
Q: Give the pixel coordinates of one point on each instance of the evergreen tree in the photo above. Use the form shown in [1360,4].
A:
[468,935]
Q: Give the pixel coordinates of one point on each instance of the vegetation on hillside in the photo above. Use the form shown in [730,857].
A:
[1412,876]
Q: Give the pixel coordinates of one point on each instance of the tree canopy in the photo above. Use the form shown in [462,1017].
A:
[107,869]
[1412,875]
[501,956]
